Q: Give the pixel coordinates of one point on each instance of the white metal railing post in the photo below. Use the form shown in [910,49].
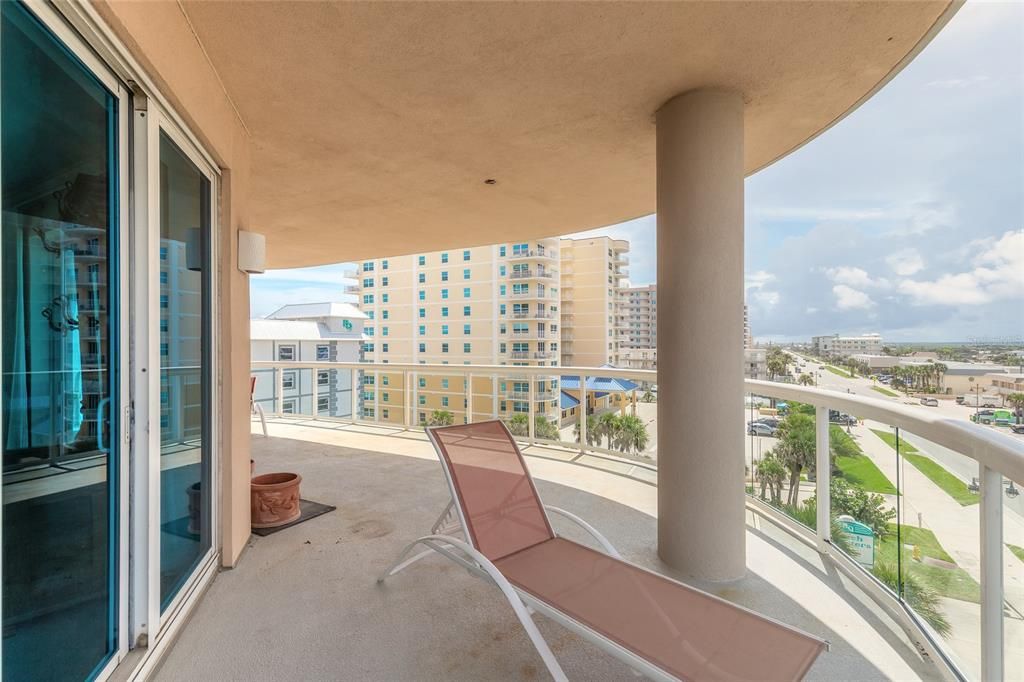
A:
[991,518]
[823,478]
[314,375]
[279,390]
[469,398]
[531,426]
[583,414]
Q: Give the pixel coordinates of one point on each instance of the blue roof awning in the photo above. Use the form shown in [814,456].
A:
[605,384]
[569,402]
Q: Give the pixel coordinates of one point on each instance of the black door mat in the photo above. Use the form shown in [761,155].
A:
[307,510]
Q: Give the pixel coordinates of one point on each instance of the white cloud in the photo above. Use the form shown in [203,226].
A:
[905,262]
[950,83]
[855,277]
[848,298]
[768,298]
[998,275]
[757,280]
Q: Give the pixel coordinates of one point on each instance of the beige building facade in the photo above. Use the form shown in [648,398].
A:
[593,270]
[487,305]
[638,315]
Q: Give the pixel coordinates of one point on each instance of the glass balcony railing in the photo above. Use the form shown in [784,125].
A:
[923,512]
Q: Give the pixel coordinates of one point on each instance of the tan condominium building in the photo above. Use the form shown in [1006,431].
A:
[638,317]
[748,339]
[487,305]
[593,270]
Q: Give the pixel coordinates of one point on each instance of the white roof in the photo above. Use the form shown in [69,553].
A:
[299,311]
[292,330]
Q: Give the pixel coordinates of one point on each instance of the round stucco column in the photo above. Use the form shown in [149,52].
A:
[700,335]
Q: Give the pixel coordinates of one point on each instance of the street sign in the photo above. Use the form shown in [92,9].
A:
[860,538]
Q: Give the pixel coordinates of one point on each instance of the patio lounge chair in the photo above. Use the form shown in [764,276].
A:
[662,628]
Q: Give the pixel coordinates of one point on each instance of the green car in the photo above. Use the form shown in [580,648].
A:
[997,417]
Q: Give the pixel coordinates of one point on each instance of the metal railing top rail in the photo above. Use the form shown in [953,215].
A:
[612,372]
[991,448]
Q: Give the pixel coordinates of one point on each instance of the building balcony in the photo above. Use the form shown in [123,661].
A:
[542,254]
[519,354]
[534,315]
[532,274]
[826,593]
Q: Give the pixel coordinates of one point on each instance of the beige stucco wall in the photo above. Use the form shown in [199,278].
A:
[162,41]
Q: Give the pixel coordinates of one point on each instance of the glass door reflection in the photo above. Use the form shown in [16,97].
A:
[185,448]
[59,303]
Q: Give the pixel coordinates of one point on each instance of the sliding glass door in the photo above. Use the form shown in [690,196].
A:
[60,343]
[185,216]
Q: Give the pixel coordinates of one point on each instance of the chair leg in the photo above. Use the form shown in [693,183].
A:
[263,418]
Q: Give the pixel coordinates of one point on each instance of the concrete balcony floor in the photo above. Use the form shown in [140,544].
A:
[303,603]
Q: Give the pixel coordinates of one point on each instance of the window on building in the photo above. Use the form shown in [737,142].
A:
[444,275]
[422,260]
[384,314]
[163,253]
[502,289]
[323,352]
[501,251]
[163,276]
[288,380]
[502,348]
[368,331]
[383,348]
[444,347]
[367,347]
[466,293]
[423,330]
[444,311]
[444,401]
[384,264]
[367,282]
[466,274]
[501,309]
[501,270]
[465,255]
[164,302]
[423,278]
[384,281]
[423,348]
[323,378]
[288,407]
[385,412]
[367,299]
[385,380]
[163,323]
[444,293]
[384,396]
[444,383]
[423,312]
[423,295]
[368,266]
[444,330]
[323,404]
[466,330]
[422,400]
[467,348]
[383,298]
[165,349]
[467,311]
[444,257]
[286,353]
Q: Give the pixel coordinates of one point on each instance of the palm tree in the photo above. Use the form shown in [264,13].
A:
[805,380]
[519,425]
[593,434]
[771,472]
[1017,400]
[544,428]
[632,434]
[607,427]
[441,418]
[796,449]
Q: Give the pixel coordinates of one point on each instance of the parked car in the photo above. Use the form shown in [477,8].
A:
[983,416]
[841,418]
[930,402]
[960,400]
[1017,428]
[1002,417]
[768,421]
[758,429]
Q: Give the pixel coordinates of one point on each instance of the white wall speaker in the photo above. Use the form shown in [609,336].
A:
[252,252]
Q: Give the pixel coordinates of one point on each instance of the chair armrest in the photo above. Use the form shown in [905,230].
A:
[608,548]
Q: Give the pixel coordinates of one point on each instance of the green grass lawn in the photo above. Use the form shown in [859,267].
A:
[956,488]
[856,467]
[835,370]
[954,583]
[885,391]
[1017,551]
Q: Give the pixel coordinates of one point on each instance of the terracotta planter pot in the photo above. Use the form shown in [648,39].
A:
[275,499]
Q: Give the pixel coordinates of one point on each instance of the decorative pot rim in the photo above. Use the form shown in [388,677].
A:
[274,481]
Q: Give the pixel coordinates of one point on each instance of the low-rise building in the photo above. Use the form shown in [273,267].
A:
[1004,384]
[638,358]
[755,363]
[846,345]
[308,332]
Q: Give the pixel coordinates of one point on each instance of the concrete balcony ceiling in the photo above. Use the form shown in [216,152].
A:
[374,125]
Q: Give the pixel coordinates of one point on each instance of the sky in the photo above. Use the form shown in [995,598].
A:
[906,218]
